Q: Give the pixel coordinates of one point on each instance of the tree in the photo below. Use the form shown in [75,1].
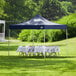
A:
[73,3]
[51,9]
[21,10]
[54,9]
[2,13]
[67,7]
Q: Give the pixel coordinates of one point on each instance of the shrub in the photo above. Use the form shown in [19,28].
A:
[38,35]
[23,36]
[70,21]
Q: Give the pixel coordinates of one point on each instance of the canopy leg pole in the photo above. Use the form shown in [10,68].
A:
[33,40]
[44,45]
[66,34]
[33,37]
[4,31]
[66,42]
[8,42]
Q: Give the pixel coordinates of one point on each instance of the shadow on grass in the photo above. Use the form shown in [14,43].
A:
[6,48]
[53,63]
[42,57]
[38,57]
[12,48]
[3,42]
[14,74]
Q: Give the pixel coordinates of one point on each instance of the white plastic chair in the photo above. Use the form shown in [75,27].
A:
[39,49]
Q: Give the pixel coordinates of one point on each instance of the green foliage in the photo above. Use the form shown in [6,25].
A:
[54,9]
[51,9]
[29,35]
[73,4]
[70,21]
[2,4]
[24,35]
[38,35]
[67,7]
[21,10]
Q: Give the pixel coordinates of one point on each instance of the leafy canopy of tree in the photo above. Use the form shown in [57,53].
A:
[73,3]
[67,7]
[2,12]
[20,10]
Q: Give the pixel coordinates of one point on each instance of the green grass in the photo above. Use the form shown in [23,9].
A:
[67,47]
[14,65]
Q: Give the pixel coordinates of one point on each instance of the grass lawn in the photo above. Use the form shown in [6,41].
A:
[14,65]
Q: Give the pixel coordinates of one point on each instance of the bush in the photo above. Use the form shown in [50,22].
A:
[70,21]
[23,36]
[38,35]
[41,36]
[34,34]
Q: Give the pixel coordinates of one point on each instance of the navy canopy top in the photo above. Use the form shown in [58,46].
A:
[38,22]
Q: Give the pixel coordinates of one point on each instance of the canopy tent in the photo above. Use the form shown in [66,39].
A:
[38,22]
[2,31]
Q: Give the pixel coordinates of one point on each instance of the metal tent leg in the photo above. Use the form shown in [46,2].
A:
[66,42]
[8,42]
[44,44]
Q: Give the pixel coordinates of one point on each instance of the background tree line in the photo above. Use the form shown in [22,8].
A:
[20,10]
[16,11]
